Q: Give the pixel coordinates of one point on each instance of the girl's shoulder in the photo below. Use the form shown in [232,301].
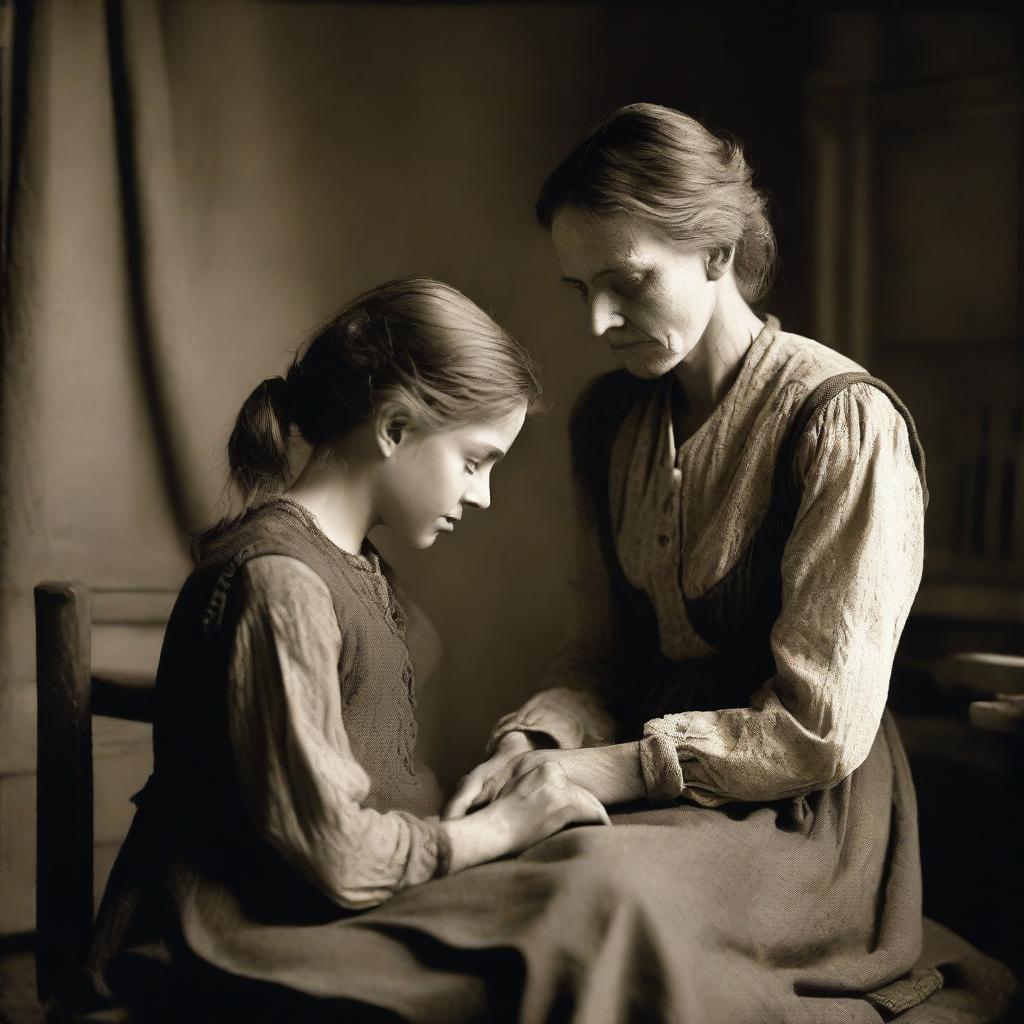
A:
[282,581]
[270,587]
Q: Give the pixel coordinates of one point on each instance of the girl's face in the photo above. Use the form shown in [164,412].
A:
[431,476]
[648,296]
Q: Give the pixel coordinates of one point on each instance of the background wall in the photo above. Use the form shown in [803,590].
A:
[195,185]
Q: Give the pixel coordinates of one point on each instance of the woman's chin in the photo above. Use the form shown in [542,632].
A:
[640,361]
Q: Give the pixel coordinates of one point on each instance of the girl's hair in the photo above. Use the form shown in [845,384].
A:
[656,163]
[414,343]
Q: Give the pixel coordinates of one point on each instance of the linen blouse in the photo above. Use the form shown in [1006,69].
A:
[681,516]
[297,773]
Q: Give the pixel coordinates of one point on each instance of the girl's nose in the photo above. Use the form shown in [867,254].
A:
[603,314]
[478,495]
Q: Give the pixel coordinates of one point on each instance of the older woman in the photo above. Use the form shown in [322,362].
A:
[751,512]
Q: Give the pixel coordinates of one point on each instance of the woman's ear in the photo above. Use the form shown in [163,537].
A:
[390,426]
[718,261]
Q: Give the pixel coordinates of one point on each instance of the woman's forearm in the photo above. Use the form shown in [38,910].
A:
[611,773]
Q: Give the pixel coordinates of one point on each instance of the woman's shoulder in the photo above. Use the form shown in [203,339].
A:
[802,364]
[800,375]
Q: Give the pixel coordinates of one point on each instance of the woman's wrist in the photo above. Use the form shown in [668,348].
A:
[612,773]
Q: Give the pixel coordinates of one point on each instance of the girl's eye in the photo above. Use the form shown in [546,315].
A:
[472,466]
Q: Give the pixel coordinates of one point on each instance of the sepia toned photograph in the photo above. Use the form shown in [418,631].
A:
[511,512]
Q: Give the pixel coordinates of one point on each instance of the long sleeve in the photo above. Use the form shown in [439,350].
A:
[292,756]
[571,710]
[850,571]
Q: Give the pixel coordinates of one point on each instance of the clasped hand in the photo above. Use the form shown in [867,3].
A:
[526,801]
[514,756]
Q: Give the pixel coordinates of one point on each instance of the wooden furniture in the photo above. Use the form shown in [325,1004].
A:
[69,694]
[962,724]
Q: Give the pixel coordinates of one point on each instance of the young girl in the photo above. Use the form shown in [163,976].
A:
[284,792]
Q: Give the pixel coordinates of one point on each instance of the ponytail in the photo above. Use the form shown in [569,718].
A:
[258,446]
[257,453]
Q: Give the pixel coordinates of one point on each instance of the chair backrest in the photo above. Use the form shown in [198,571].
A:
[69,693]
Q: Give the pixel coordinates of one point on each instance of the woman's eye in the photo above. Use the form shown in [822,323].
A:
[634,284]
[472,466]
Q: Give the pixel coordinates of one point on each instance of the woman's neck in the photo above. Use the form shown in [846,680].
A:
[338,494]
[708,371]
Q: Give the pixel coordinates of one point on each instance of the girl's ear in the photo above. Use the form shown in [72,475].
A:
[390,425]
[718,261]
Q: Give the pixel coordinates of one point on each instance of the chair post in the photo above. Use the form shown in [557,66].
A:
[64,795]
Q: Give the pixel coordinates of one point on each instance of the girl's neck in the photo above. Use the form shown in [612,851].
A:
[709,370]
[337,491]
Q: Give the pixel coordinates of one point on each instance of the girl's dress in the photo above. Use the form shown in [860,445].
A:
[738,603]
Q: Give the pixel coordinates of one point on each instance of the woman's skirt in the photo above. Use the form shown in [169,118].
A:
[800,910]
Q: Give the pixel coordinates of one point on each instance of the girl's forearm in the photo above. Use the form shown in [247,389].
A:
[479,838]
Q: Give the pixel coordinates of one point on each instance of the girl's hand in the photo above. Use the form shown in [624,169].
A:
[486,780]
[538,803]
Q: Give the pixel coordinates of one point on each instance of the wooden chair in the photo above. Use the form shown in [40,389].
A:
[69,694]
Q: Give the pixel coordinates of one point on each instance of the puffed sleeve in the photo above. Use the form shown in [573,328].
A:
[851,568]
[571,710]
[292,756]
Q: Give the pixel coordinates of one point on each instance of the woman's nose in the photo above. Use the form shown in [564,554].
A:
[604,315]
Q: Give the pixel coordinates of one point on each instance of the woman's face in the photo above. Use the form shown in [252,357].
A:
[648,296]
[431,476]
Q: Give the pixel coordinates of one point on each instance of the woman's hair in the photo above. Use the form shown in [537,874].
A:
[656,163]
[415,344]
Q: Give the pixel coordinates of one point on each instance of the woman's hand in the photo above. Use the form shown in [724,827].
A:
[486,780]
[538,803]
